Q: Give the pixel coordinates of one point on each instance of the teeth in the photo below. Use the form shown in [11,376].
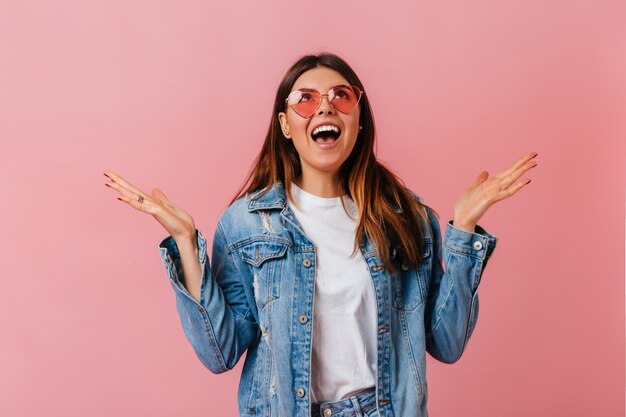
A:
[325,128]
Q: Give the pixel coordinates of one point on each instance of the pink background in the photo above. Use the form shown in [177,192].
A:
[151,90]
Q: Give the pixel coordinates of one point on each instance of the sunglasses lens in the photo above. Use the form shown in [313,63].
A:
[345,99]
[305,102]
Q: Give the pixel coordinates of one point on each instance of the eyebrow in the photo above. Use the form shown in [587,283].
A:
[313,89]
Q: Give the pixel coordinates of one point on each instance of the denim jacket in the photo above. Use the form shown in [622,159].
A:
[257,295]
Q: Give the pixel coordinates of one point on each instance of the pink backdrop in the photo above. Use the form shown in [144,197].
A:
[150,90]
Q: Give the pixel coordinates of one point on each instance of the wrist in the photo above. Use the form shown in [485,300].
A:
[468,227]
[185,240]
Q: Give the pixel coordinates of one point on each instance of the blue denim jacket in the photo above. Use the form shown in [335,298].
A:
[257,295]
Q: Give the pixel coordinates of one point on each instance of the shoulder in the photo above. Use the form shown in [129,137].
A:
[425,212]
[239,222]
[237,210]
[419,202]
[418,198]
[234,216]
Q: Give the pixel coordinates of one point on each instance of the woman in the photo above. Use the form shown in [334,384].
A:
[326,268]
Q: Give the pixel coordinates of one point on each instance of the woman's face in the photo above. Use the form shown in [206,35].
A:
[315,157]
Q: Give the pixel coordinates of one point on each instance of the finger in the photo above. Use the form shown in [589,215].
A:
[125,191]
[144,205]
[121,181]
[509,179]
[519,163]
[512,190]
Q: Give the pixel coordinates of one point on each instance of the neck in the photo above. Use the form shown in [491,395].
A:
[321,184]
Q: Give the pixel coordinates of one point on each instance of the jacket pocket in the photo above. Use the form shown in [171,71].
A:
[265,259]
[409,284]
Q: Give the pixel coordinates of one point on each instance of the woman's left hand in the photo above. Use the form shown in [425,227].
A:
[483,192]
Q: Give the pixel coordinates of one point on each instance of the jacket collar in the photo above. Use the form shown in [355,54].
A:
[274,198]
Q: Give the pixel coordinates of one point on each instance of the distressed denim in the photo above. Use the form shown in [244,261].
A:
[257,295]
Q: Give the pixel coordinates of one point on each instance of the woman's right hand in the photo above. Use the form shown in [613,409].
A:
[178,223]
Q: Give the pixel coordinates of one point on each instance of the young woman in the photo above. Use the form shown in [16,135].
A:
[325,268]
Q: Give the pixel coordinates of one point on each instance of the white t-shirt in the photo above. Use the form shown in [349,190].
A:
[343,361]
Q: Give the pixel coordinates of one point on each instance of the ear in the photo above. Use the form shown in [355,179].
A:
[284,125]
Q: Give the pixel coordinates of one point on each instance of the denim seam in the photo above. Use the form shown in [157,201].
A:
[443,305]
[476,278]
[412,362]
[266,395]
[467,326]
[209,331]
[471,253]
[260,238]
[255,379]
[471,309]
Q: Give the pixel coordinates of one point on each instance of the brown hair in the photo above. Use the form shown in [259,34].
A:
[374,188]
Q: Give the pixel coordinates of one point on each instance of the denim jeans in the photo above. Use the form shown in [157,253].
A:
[362,404]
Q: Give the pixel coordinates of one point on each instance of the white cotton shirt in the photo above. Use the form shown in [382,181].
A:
[343,360]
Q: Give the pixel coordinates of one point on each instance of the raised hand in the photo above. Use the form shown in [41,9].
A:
[178,223]
[483,192]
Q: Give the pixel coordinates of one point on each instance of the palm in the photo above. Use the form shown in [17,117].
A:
[483,192]
[175,220]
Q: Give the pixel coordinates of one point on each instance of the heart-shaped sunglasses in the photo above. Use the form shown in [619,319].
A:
[306,101]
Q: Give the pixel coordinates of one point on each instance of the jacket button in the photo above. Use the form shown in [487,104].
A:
[478,245]
[201,309]
[303,319]
[377,268]
[383,329]
[328,412]
[300,392]
[306,263]
[383,402]
[405,267]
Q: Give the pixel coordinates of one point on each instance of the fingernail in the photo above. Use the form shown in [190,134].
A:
[119,199]
[107,184]
[105,174]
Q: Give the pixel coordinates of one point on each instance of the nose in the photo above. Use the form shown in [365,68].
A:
[325,105]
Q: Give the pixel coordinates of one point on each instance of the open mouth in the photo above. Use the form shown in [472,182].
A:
[326,134]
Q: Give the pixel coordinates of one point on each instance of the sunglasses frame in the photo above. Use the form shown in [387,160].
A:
[361,92]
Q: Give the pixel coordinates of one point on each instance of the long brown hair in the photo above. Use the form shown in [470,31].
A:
[377,192]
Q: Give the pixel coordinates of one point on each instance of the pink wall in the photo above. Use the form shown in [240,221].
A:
[150,90]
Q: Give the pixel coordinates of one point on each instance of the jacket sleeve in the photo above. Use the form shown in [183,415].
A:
[452,303]
[221,327]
